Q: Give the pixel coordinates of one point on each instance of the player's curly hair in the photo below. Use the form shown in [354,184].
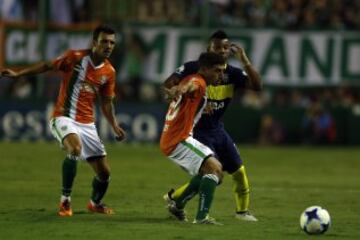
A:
[102,28]
[219,34]
[210,59]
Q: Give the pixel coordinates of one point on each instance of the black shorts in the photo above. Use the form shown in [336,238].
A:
[223,146]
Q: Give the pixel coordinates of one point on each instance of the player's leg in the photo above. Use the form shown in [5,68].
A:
[206,139]
[72,145]
[175,193]
[64,130]
[198,160]
[211,176]
[95,154]
[232,163]
[242,195]
[189,191]
[190,155]
[176,205]
[100,185]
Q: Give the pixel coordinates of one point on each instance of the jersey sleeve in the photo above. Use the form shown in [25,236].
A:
[187,69]
[108,89]
[239,77]
[64,62]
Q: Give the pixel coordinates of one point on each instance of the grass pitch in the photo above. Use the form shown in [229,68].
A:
[284,182]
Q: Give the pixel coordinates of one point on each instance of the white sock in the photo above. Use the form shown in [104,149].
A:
[92,203]
[63,198]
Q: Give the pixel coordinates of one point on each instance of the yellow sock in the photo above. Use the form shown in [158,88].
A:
[179,191]
[241,189]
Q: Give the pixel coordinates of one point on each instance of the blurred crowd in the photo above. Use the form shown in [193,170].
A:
[284,14]
[316,105]
[56,11]
[287,14]
[303,97]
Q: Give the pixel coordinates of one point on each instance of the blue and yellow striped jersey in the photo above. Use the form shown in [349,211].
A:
[219,96]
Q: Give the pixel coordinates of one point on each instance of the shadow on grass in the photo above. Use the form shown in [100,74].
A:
[50,216]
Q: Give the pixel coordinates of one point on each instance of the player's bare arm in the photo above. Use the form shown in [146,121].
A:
[188,88]
[181,89]
[169,89]
[171,81]
[37,68]
[254,82]
[108,110]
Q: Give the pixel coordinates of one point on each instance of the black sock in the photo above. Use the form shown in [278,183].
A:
[99,189]
[68,175]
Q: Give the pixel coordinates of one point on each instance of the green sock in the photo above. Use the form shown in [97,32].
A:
[206,194]
[68,175]
[99,189]
[190,191]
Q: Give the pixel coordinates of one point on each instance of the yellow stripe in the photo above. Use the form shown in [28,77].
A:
[220,92]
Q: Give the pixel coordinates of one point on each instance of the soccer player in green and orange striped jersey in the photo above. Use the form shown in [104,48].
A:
[188,101]
[87,75]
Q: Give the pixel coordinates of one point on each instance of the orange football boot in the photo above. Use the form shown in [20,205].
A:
[99,208]
[65,209]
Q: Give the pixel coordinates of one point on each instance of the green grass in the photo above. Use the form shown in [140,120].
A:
[284,182]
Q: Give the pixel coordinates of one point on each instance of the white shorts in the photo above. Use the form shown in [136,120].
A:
[91,145]
[190,154]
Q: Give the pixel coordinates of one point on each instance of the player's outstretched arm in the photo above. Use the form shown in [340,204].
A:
[108,110]
[254,82]
[30,70]
[171,81]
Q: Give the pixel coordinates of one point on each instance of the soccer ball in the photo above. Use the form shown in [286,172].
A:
[315,220]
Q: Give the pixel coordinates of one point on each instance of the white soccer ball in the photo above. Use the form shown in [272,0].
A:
[315,220]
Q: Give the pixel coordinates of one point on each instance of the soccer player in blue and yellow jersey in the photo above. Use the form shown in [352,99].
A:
[210,130]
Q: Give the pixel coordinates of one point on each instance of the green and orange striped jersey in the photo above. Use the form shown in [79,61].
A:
[183,114]
[82,82]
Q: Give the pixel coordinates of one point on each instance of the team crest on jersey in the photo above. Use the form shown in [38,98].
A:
[103,79]
[88,87]
[225,79]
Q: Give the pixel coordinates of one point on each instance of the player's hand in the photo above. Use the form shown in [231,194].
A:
[9,73]
[120,133]
[239,53]
[171,93]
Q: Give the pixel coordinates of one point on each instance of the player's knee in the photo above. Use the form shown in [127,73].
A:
[104,177]
[75,150]
[104,174]
[212,166]
[218,171]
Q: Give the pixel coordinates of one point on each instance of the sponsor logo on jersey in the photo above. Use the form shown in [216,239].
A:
[180,69]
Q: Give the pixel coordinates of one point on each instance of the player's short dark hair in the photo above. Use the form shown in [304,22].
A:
[219,34]
[210,59]
[102,29]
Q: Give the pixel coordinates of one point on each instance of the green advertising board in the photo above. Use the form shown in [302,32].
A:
[282,58]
